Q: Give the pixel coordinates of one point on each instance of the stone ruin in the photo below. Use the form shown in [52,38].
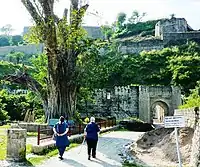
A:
[166,31]
[134,101]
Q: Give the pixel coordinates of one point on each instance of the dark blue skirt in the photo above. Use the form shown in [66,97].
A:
[62,141]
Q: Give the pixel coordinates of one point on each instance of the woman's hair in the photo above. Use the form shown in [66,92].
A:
[92,119]
[62,119]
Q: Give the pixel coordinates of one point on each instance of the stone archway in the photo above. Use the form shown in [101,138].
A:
[158,110]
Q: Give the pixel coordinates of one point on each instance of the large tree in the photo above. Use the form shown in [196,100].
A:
[62,38]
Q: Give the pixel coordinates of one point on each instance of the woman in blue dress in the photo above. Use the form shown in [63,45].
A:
[60,130]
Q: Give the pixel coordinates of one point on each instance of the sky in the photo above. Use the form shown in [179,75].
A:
[13,12]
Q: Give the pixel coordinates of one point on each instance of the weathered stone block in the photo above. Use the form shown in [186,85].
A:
[16,144]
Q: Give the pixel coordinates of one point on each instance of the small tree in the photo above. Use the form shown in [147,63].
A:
[136,17]
[6,30]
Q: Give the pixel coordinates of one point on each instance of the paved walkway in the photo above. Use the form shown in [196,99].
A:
[109,149]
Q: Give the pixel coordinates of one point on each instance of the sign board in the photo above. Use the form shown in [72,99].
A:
[177,121]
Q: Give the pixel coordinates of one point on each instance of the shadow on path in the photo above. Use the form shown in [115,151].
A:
[73,163]
[109,149]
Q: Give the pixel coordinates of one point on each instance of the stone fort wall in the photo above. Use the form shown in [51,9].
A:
[137,47]
[93,32]
[132,101]
[192,120]
[166,31]
[157,44]
[120,102]
[27,49]
[179,36]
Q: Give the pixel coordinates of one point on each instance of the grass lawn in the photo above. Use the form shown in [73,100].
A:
[3,147]
[5,126]
[32,134]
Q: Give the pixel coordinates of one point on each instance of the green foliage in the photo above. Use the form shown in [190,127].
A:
[193,100]
[69,36]
[17,105]
[39,64]
[185,66]
[3,113]
[107,31]
[86,120]
[32,134]
[121,18]
[4,40]
[28,148]
[134,26]
[178,66]
[17,40]
[40,119]
[136,17]
[15,57]
[34,35]
[137,28]
[8,68]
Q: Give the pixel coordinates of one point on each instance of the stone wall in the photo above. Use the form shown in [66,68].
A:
[173,25]
[150,96]
[144,103]
[27,49]
[120,102]
[192,120]
[32,127]
[92,31]
[190,116]
[132,101]
[181,36]
[157,44]
[137,47]
[166,31]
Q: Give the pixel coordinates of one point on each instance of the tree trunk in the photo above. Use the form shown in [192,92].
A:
[61,86]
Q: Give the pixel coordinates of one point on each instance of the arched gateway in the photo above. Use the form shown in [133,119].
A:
[155,102]
[149,103]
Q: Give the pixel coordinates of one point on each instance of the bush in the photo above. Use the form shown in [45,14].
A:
[193,99]
[3,113]
[16,105]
